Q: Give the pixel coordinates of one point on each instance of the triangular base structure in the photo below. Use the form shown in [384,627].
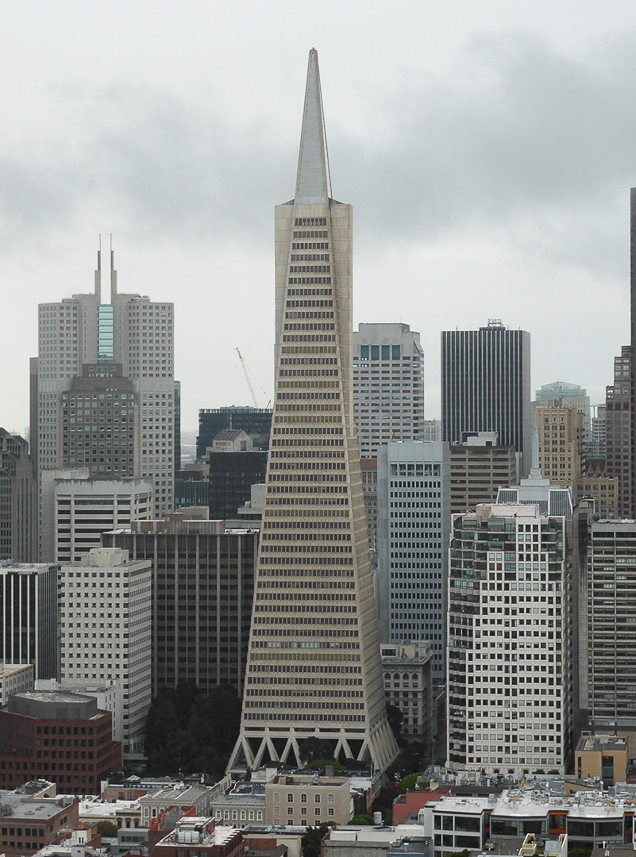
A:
[255,749]
[313,666]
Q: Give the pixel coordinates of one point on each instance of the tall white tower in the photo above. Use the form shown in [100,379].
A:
[313,666]
[103,394]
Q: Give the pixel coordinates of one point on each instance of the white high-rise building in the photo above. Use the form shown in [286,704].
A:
[106,632]
[509,641]
[413,530]
[388,385]
[104,392]
[77,509]
[313,666]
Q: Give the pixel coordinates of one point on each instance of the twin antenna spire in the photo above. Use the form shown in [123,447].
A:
[98,272]
[313,183]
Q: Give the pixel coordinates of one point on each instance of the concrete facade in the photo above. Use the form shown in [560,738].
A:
[509,642]
[560,429]
[413,532]
[313,667]
[308,800]
[117,642]
[478,468]
[78,509]
[15,678]
[388,385]
[618,430]
[606,588]
[601,757]
[133,333]
[408,685]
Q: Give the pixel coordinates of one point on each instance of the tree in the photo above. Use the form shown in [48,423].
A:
[315,748]
[187,732]
[161,723]
[361,819]
[408,783]
[311,841]
[321,764]
[107,828]
[395,718]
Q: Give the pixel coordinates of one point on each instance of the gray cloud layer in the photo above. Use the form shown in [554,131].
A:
[522,135]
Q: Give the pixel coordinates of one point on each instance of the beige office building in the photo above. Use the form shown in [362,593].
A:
[313,667]
[560,433]
[478,468]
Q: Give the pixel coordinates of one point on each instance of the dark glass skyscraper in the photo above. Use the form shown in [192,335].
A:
[486,386]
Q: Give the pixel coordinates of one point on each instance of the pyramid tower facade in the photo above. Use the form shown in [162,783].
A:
[313,668]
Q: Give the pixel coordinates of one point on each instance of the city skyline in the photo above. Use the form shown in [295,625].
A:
[480,177]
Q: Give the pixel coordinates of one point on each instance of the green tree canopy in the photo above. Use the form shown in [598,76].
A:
[107,828]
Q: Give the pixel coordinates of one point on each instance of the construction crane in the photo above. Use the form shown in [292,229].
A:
[249,381]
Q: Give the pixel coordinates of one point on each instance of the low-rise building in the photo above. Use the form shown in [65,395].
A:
[28,823]
[244,804]
[123,813]
[603,757]
[588,818]
[366,841]
[200,836]
[182,798]
[305,799]
[407,806]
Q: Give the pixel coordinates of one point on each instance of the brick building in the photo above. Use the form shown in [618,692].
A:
[58,735]
[29,822]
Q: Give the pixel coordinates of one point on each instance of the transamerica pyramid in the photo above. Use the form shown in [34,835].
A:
[313,666]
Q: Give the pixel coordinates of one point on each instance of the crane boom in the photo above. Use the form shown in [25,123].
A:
[247,378]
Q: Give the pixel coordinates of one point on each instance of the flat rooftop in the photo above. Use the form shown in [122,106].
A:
[596,743]
[19,806]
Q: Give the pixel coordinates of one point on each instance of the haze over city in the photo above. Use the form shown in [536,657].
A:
[487,151]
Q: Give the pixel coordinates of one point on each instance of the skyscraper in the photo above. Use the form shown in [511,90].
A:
[203,590]
[605,581]
[105,387]
[486,386]
[561,393]
[388,385]
[632,352]
[509,641]
[18,499]
[121,647]
[313,666]
[413,532]
[560,436]
[618,430]
[28,607]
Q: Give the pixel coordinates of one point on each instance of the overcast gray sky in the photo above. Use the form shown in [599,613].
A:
[488,149]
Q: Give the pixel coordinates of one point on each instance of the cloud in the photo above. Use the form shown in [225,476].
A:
[521,138]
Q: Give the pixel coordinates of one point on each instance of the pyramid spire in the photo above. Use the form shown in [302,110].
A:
[313,664]
[313,183]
